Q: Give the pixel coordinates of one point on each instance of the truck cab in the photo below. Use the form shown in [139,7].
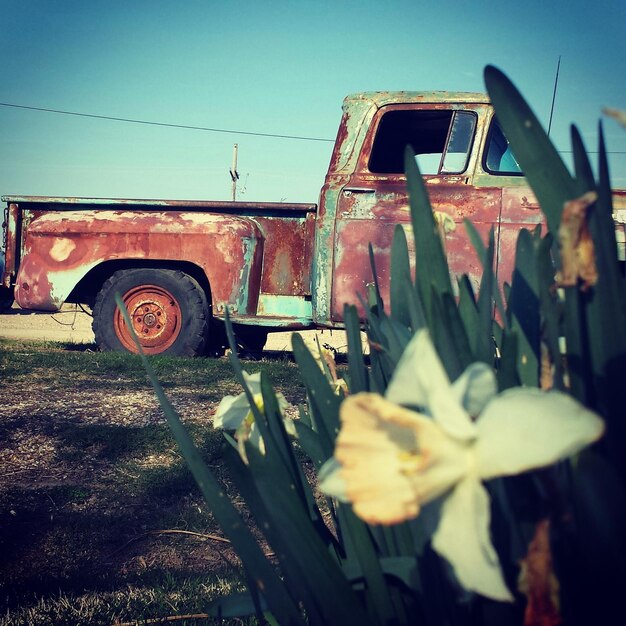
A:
[469,171]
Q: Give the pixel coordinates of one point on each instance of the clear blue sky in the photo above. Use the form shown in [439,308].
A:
[270,67]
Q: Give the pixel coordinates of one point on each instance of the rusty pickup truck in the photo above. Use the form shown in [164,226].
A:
[179,265]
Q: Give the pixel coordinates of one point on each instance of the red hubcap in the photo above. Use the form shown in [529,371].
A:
[156,318]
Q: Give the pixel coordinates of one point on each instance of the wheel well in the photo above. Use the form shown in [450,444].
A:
[87,289]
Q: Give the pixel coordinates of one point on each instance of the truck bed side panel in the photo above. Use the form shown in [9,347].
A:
[287,255]
[60,247]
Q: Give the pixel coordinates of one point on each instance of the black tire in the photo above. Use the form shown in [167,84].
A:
[169,309]
[6,298]
[250,340]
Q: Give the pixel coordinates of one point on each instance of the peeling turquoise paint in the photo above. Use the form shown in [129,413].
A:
[284,306]
[323,255]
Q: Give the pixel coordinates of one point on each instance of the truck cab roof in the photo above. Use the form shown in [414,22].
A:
[382,98]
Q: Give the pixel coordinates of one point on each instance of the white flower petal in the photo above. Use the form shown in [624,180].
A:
[282,403]
[451,416]
[253,381]
[475,387]
[418,372]
[420,380]
[254,437]
[462,538]
[330,481]
[290,427]
[522,429]
[231,411]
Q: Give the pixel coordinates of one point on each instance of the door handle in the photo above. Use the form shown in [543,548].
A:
[348,191]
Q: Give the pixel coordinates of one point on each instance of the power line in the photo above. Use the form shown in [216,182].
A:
[151,123]
[593,152]
[202,128]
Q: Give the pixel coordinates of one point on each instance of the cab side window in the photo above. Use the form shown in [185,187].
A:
[499,157]
[441,141]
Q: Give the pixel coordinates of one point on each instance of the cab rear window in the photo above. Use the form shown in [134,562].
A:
[499,158]
[441,141]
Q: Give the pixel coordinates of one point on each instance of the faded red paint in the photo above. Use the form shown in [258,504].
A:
[287,255]
[342,136]
[222,245]
[33,289]
[279,264]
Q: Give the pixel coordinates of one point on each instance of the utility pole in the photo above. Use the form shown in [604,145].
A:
[234,174]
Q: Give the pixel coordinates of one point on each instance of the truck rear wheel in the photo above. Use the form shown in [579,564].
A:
[251,339]
[168,308]
[6,298]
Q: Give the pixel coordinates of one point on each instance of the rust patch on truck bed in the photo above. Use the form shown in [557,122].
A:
[287,255]
[59,249]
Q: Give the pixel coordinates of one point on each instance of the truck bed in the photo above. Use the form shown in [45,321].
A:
[255,256]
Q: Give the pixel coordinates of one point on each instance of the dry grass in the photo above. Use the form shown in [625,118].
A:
[89,475]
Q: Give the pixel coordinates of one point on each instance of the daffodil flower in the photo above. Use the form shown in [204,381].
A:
[235,413]
[391,460]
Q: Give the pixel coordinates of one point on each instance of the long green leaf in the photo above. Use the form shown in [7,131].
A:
[468,311]
[524,309]
[279,451]
[400,278]
[577,343]
[406,305]
[356,362]
[225,513]
[321,582]
[507,374]
[382,360]
[550,311]
[431,266]
[484,344]
[378,301]
[310,442]
[324,402]
[403,568]
[449,335]
[239,604]
[543,167]
[360,549]
[481,252]
[259,506]
[606,317]
[396,336]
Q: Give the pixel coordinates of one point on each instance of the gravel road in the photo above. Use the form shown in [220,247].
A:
[74,326]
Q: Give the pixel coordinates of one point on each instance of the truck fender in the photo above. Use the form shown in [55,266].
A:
[61,247]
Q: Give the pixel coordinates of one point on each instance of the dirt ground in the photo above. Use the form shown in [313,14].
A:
[93,493]
[71,325]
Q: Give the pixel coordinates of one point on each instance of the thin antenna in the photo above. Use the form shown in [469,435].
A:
[556,82]
[234,174]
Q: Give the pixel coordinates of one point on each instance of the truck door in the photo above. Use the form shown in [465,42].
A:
[443,138]
[520,209]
